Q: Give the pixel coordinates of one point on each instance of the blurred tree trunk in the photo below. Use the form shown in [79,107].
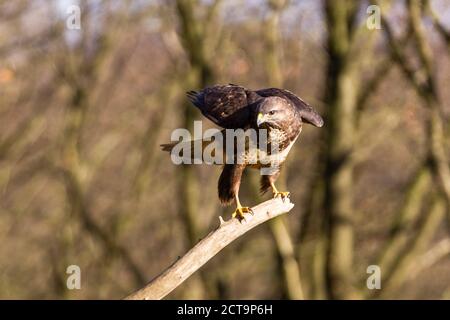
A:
[73,173]
[329,206]
[74,168]
[341,97]
[200,74]
[289,267]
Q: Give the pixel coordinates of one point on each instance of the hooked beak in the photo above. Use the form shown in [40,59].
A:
[260,119]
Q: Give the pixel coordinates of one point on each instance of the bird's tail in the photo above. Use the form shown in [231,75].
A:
[186,146]
[189,148]
[168,146]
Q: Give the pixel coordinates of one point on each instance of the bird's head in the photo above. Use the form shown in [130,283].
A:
[272,112]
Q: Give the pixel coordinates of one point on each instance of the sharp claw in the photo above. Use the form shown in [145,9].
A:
[283,195]
[239,213]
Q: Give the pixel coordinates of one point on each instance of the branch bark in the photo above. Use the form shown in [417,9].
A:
[207,248]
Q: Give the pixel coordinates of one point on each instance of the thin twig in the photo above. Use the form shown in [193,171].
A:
[438,252]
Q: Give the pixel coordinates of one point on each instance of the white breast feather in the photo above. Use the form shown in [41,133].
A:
[276,158]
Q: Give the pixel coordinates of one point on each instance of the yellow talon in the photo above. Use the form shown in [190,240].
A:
[240,212]
[277,193]
[283,195]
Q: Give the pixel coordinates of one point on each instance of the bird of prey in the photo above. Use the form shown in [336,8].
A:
[279,111]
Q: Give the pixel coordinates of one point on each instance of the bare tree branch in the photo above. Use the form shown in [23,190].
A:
[438,252]
[421,241]
[427,90]
[445,34]
[405,221]
[207,248]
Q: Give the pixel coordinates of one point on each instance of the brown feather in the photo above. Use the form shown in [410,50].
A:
[229,182]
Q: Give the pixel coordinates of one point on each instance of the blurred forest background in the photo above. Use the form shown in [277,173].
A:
[83,180]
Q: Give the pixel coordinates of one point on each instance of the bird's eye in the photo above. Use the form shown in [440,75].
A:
[271,112]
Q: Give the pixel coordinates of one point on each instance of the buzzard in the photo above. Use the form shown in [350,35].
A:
[280,112]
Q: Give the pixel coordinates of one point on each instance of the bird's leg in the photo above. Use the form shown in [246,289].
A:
[240,210]
[277,193]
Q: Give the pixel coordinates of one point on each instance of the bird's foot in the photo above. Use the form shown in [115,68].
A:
[283,195]
[240,212]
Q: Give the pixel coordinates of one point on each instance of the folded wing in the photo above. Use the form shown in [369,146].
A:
[228,106]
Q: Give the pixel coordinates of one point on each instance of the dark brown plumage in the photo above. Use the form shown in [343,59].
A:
[279,111]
